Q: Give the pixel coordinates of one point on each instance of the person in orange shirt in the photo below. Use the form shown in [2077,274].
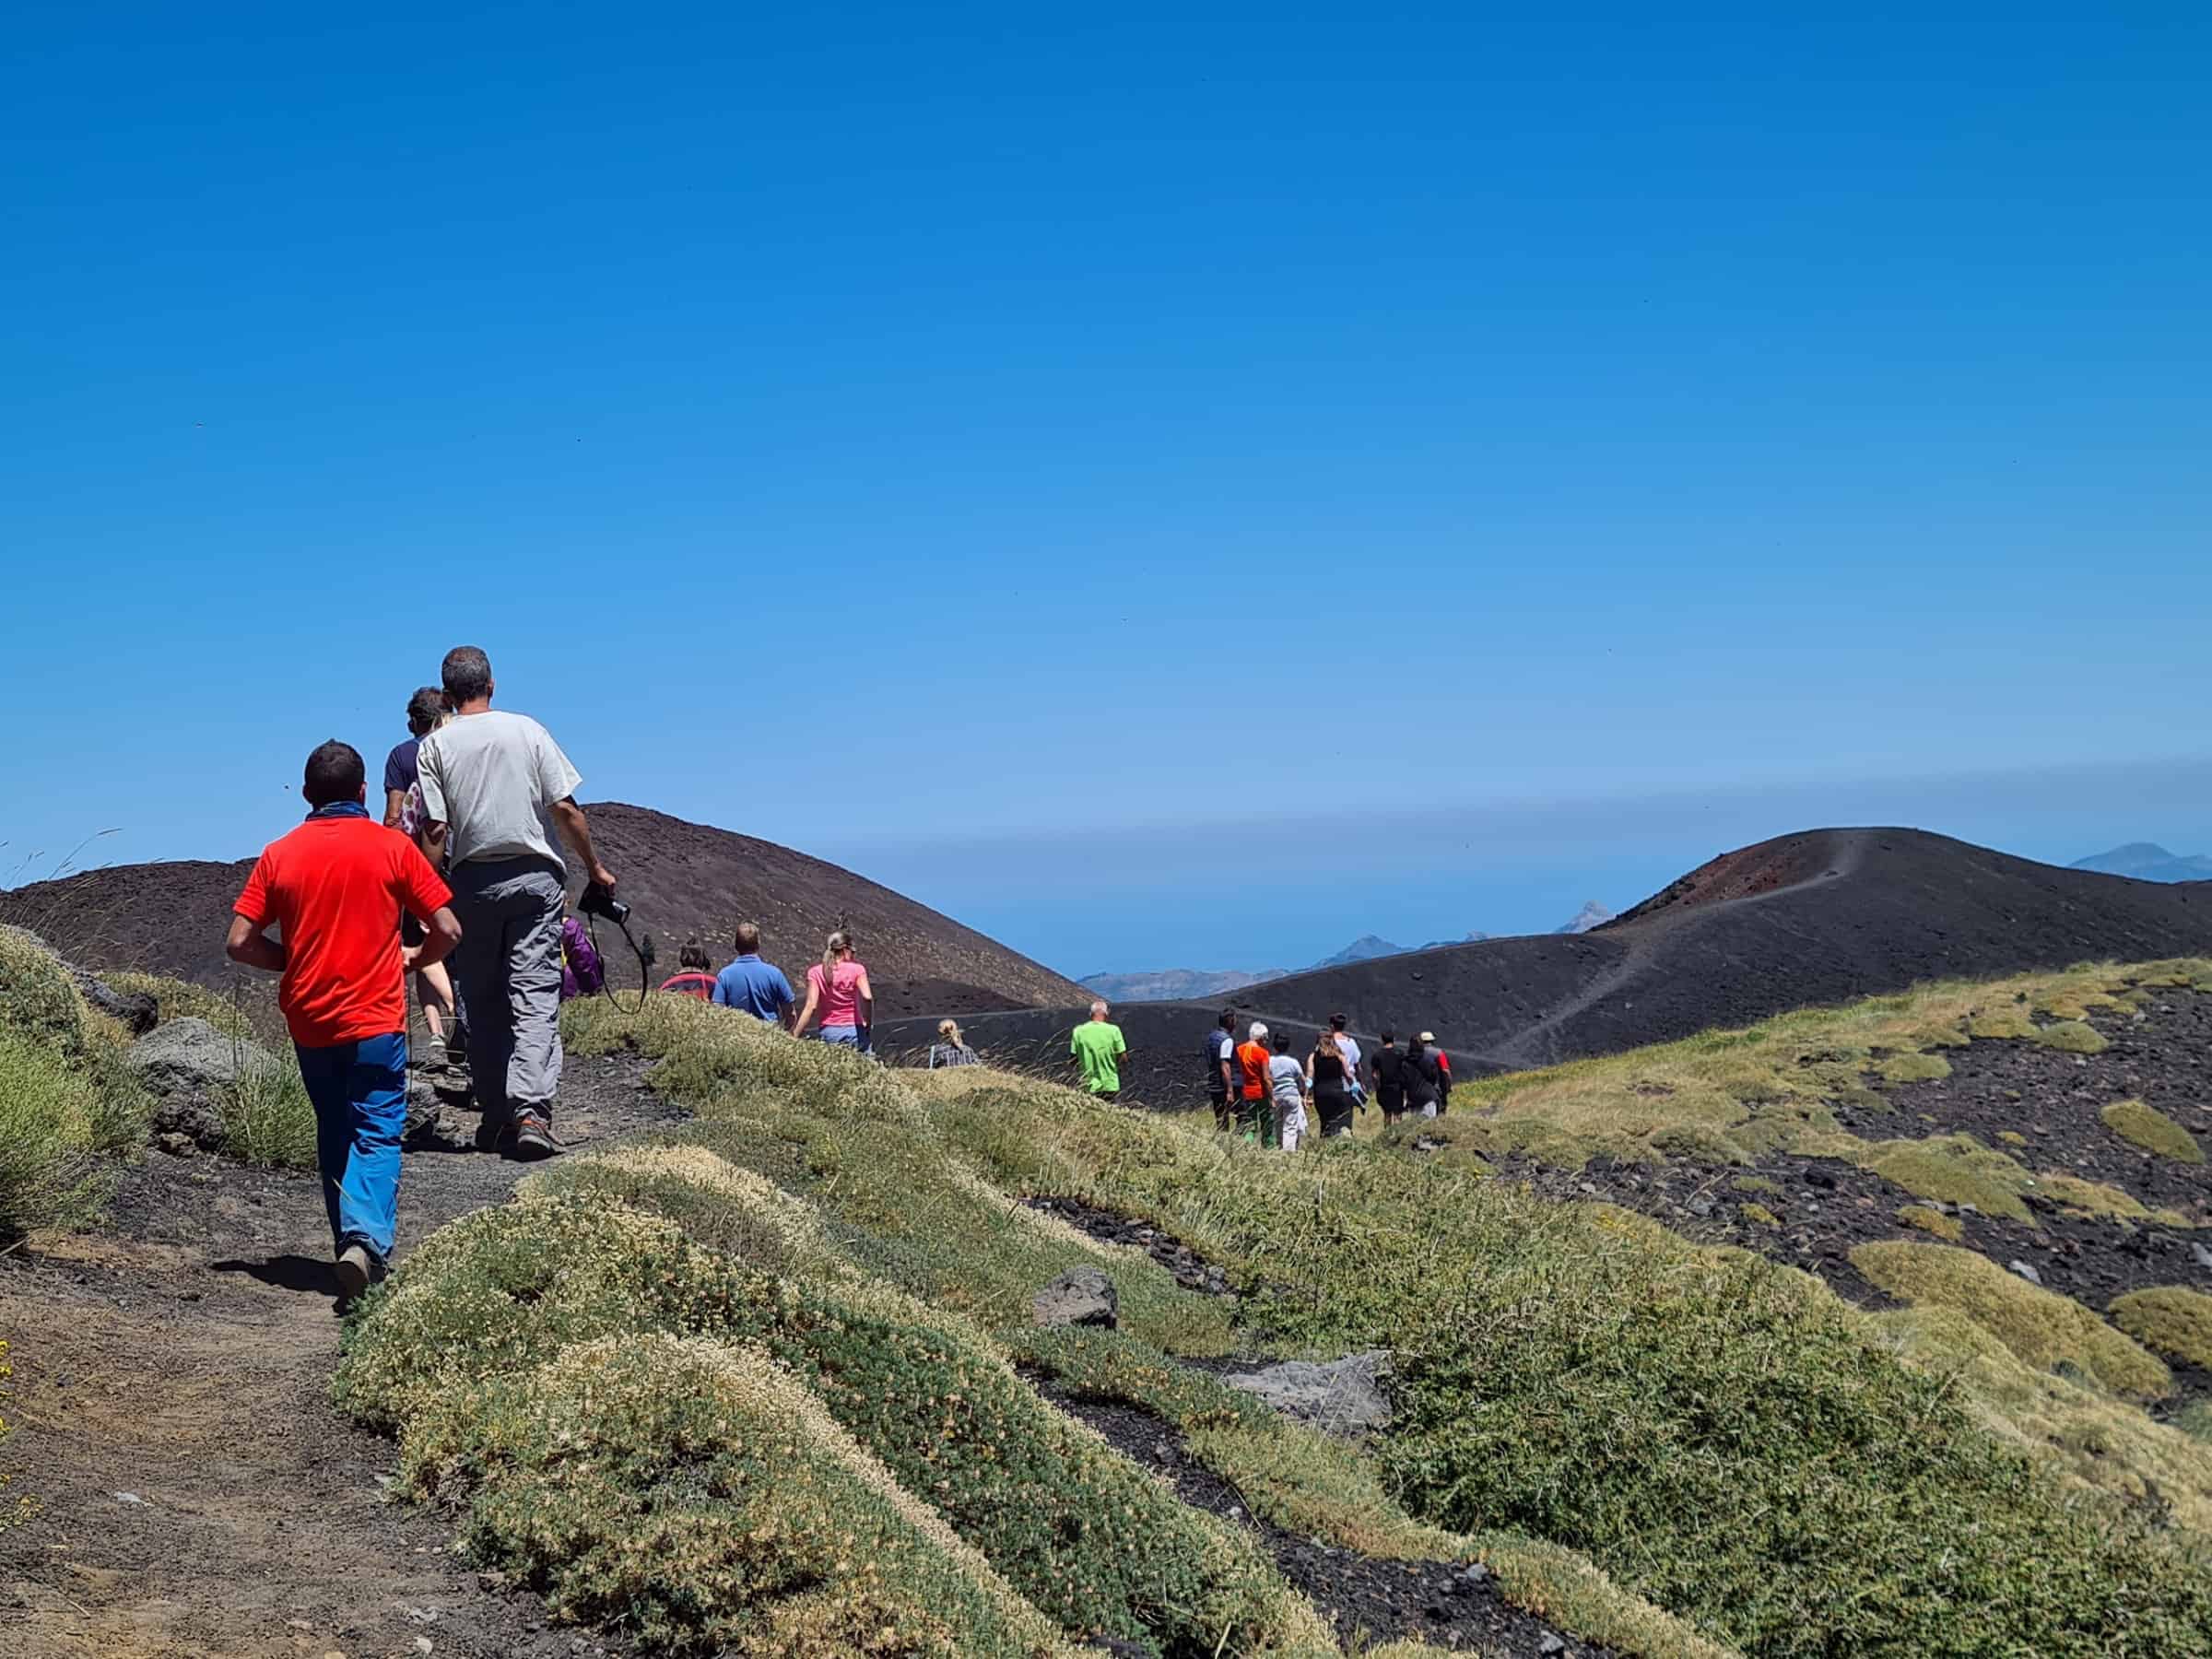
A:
[1256,1114]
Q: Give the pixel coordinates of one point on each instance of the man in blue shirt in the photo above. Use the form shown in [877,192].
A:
[754,986]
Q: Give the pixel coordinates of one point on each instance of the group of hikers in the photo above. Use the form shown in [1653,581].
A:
[1259,1089]
[470,897]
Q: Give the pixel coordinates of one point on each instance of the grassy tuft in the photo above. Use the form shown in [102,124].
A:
[1758,1215]
[2073,1037]
[1931,1221]
[2043,1328]
[2152,1130]
[67,1098]
[1913,1068]
[2170,1320]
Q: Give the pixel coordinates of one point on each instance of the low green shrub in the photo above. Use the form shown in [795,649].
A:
[1082,1533]
[1732,1445]
[2073,1037]
[696,1497]
[2171,1320]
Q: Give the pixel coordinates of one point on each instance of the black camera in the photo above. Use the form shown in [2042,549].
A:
[601,901]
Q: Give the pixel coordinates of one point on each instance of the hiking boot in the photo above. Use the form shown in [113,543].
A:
[357,1270]
[491,1133]
[531,1138]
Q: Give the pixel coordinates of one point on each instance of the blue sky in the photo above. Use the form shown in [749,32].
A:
[1109,475]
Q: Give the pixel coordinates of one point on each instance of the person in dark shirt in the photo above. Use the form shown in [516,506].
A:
[1389,1064]
[695,972]
[402,765]
[1220,1068]
[433,984]
[1423,1077]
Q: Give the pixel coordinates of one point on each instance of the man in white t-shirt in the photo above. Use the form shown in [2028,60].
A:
[495,788]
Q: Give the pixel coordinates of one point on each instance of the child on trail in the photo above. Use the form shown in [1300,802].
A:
[1286,1082]
[335,886]
[581,972]
[1255,1121]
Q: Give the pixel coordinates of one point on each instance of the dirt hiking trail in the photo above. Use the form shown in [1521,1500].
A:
[197,1493]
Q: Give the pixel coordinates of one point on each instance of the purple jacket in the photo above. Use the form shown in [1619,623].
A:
[580,969]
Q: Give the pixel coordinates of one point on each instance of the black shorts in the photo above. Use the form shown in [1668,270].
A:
[1392,1101]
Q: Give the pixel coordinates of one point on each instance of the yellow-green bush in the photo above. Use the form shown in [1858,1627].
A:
[1931,1221]
[2171,1320]
[2152,1130]
[2043,1328]
[66,1096]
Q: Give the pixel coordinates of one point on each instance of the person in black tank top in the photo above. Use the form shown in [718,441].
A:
[1330,1080]
[1389,1079]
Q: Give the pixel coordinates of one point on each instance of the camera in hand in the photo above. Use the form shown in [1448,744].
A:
[598,900]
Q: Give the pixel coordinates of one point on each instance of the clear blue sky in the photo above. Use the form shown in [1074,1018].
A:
[1110,474]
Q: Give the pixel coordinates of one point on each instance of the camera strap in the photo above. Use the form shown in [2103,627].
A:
[644,953]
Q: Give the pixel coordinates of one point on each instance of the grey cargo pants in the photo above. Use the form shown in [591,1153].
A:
[508,965]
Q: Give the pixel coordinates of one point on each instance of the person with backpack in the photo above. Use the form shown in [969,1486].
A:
[1422,1076]
[694,974]
[1389,1079]
[1286,1090]
[1220,1068]
[1255,1121]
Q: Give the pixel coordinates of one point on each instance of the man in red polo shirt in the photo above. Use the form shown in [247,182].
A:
[335,888]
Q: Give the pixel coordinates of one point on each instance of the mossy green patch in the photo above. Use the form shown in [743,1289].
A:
[1758,1215]
[2044,1329]
[1757,1183]
[1913,1068]
[1953,1168]
[2073,1037]
[2171,1320]
[2153,1131]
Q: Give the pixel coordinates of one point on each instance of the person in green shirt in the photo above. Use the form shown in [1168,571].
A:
[1098,1048]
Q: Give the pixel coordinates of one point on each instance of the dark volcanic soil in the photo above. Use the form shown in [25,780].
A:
[1192,1271]
[1445,1603]
[1825,1208]
[198,1494]
[677,877]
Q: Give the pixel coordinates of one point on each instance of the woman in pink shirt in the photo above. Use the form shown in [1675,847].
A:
[838,985]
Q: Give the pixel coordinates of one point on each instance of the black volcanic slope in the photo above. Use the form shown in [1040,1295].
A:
[170,918]
[1818,917]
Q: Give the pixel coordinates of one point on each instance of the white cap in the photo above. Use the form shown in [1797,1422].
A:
[1427,1036]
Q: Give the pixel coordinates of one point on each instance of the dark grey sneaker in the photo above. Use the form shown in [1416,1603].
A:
[531,1139]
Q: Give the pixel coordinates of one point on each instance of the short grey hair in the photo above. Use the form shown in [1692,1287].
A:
[1258,1032]
[466,674]
[1097,1008]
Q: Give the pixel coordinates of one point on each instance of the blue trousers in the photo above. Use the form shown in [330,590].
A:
[359,1090]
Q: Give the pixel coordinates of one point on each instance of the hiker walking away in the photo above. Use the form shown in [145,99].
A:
[493,782]
[335,886]
[403,794]
[755,987]
[1255,1121]
[1328,1080]
[951,1048]
[1422,1076]
[1097,1046]
[1443,1075]
[1348,1050]
[694,974]
[581,972]
[1220,1068]
[1287,1087]
[1389,1079]
[838,985]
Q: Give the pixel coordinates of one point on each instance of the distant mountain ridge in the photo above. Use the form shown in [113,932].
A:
[1177,984]
[2147,861]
